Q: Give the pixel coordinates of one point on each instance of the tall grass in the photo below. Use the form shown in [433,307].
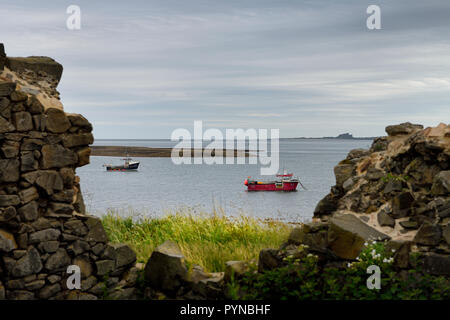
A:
[208,240]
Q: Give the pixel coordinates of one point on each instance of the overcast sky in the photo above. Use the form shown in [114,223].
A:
[140,69]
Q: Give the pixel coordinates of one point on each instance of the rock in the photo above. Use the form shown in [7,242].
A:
[6,88]
[428,234]
[393,185]
[29,194]
[6,126]
[79,121]
[9,200]
[35,106]
[85,265]
[348,184]
[235,269]
[297,235]
[22,121]
[96,231]
[61,208]
[35,285]
[9,170]
[326,206]
[104,267]
[441,183]
[18,96]
[385,220]
[166,269]
[83,156]
[49,291]
[64,196]
[342,173]
[37,64]
[48,181]
[402,129]
[374,174]
[29,212]
[347,235]
[124,254]
[123,294]
[268,260]
[401,205]
[56,156]
[49,246]
[357,153]
[437,264]
[28,264]
[20,295]
[10,148]
[77,227]
[31,144]
[28,162]
[410,225]
[44,235]
[317,241]
[7,241]
[58,261]
[7,214]
[56,121]
[80,139]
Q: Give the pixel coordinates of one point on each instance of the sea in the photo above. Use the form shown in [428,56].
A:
[161,187]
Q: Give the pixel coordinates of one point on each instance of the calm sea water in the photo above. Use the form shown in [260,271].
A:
[161,187]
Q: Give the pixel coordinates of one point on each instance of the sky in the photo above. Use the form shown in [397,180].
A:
[141,69]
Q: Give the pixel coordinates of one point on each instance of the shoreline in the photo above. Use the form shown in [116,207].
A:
[147,152]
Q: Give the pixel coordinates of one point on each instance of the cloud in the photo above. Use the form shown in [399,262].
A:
[310,68]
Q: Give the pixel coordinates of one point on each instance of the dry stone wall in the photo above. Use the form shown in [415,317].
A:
[43,225]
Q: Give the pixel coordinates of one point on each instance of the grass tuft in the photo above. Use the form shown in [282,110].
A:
[208,240]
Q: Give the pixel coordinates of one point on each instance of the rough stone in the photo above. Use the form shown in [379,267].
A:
[96,231]
[29,194]
[56,156]
[428,235]
[347,235]
[166,270]
[268,260]
[385,220]
[235,269]
[22,121]
[342,173]
[402,129]
[29,212]
[9,200]
[437,264]
[7,241]
[57,121]
[9,170]
[29,264]
[6,126]
[104,267]
[58,261]
[441,183]
[44,235]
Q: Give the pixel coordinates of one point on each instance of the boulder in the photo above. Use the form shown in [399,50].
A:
[347,235]
[9,200]
[6,88]
[6,126]
[166,270]
[441,183]
[235,269]
[57,121]
[79,121]
[22,121]
[29,264]
[401,205]
[84,263]
[9,170]
[428,234]
[56,156]
[268,260]
[326,206]
[7,241]
[29,212]
[44,235]
[58,261]
[36,64]
[29,194]
[104,267]
[385,220]
[96,231]
[79,139]
[343,172]
[402,129]
[124,255]
[7,214]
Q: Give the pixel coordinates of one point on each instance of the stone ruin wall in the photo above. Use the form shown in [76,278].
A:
[43,224]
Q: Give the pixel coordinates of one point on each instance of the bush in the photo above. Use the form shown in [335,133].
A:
[303,279]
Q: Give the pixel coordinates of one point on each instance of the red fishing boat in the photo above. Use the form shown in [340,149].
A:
[283,182]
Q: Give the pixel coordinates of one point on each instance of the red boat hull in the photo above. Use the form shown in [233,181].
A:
[285,186]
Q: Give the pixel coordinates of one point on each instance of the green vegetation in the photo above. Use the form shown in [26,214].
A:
[302,278]
[208,240]
[393,177]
